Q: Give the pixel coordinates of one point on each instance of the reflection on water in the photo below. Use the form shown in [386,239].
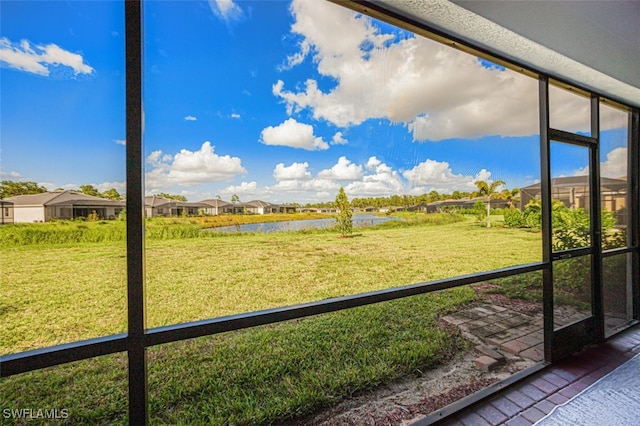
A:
[359,221]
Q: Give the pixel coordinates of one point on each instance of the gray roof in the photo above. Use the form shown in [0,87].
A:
[155,201]
[216,203]
[255,203]
[573,181]
[454,202]
[62,198]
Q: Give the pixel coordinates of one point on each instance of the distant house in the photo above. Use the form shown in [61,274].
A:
[573,191]
[262,207]
[253,207]
[310,210]
[61,205]
[458,204]
[216,207]
[155,206]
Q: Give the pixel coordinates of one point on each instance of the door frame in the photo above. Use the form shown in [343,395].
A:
[569,339]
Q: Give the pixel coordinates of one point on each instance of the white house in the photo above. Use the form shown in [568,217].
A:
[61,205]
[158,206]
[216,207]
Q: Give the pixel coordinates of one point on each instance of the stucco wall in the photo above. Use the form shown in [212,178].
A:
[28,214]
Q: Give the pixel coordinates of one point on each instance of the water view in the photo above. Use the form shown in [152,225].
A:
[359,221]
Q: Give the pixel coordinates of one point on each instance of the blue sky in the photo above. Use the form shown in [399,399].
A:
[274,100]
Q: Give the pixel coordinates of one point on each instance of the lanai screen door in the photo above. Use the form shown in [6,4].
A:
[572,228]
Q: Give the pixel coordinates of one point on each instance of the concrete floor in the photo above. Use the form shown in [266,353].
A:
[529,400]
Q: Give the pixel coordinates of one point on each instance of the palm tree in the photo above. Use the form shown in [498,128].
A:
[487,191]
[510,196]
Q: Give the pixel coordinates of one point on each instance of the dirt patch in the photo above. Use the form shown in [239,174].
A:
[411,398]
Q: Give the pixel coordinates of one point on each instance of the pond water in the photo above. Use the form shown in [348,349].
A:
[359,220]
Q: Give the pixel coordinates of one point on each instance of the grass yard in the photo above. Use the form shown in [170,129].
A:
[56,293]
[256,376]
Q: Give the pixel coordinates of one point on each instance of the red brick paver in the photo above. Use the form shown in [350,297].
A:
[529,400]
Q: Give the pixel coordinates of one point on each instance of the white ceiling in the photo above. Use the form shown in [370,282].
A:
[593,44]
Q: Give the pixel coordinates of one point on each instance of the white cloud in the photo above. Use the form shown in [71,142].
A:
[121,187]
[188,168]
[296,179]
[296,171]
[190,118]
[226,10]
[437,175]
[343,170]
[39,59]
[293,134]
[383,181]
[12,175]
[436,91]
[52,186]
[296,58]
[120,141]
[338,139]
[286,186]
[482,175]
[321,186]
[612,118]
[234,115]
[615,166]
[244,190]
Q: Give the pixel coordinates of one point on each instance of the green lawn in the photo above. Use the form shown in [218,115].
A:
[54,293]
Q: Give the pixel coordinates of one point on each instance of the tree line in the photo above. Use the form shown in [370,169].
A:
[10,188]
[484,190]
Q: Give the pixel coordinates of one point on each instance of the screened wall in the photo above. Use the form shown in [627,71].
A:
[398,110]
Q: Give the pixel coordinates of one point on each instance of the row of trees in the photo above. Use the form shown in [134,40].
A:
[487,190]
[511,195]
[10,188]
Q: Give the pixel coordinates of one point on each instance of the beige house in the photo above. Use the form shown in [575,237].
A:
[60,205]
[216,207]
[573,191]
[157,206]
[250,207]
[462,203]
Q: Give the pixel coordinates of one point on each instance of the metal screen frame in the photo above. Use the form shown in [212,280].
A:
[137,339]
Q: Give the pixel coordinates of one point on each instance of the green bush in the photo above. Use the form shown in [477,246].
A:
[514,218]
[480,211]
[571,228]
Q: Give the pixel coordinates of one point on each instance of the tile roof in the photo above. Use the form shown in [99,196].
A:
[64,197]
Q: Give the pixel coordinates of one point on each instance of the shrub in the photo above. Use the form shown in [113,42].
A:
[514,218]
[480,211]
[344,217]
[571,228]
[533,215]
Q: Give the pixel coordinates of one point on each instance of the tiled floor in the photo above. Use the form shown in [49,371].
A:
[528,401]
